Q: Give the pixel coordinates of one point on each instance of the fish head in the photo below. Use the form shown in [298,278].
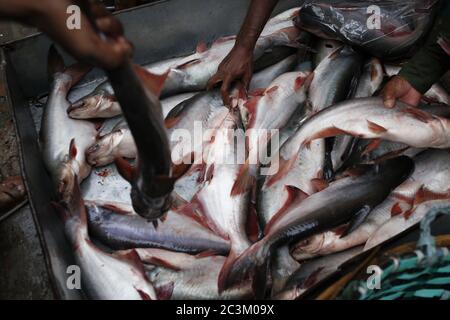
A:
[97,105]
[104,150]
[307,248]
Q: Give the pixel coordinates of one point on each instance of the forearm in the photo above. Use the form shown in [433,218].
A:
[431,62]
[257,16]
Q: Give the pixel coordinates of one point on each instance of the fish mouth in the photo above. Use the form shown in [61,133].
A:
[150,208]
[89,107]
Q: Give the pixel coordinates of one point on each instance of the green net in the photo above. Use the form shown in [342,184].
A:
[422,274]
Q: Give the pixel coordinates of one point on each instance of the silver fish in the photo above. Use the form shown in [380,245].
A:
[371,79]
[117,276]
[263,78]
[184,276]
[119,230]
[350,198]
[369,82]
[400,223]
[324,48]
[431,172]
[191,73]
[226,215]
[312,272]
[63,140]
[101,103]
[192,123]
[334,80]
[269,111]
[366,118]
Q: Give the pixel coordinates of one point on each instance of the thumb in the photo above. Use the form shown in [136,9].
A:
[389,94]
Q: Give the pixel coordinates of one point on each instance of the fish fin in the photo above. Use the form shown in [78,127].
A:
[424,195]
[295,196]
[271,90]
[252,105]
[144,295]
[326,133]
[257,92]
[396,209]
[284,167]
[303,81]
[206,254]
[252,226]
[194,210]
[319,184]
[358,219]
[223,39]
[244,181]
[201,47]
[188,64]
[418,114]
[152,82]
[164,292]
[374,144]
[178,201]
[116,209]
[72,149]
[171,122]
[340,231]
[375,128]
[161,263]
[335,53]
[238,269]
[126,170]
[132,257]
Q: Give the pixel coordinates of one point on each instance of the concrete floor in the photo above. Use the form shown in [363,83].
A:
[22,268]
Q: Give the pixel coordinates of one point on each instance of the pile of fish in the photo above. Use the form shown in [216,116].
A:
[301,174]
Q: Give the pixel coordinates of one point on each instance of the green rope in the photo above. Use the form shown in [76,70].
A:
[423,275]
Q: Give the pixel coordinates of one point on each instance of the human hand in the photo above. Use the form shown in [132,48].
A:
[399,88]
[237,67]
[85,43]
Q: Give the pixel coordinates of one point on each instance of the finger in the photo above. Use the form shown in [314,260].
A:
[412,98]
[389,95]
[110,26]
[225,91]
[246,79]
[215,79]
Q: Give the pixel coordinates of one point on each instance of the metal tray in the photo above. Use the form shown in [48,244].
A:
[159,30]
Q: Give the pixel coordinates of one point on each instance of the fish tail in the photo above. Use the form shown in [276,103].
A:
[153,82]
[245,180]
[56,65]
[252,264]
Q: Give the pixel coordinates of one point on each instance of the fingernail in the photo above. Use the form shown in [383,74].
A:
[389,103]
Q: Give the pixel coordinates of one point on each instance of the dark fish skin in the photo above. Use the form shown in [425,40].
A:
[120,232]
[339,203]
